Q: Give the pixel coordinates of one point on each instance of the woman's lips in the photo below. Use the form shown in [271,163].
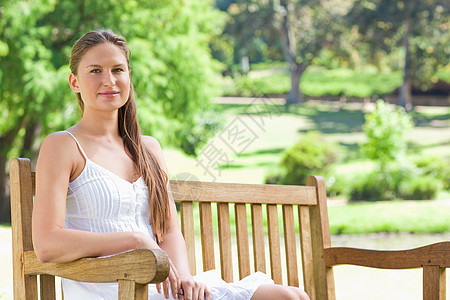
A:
[110,94]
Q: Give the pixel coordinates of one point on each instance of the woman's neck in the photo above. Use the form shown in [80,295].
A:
[99,124]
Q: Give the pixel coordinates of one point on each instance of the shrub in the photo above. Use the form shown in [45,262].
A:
[435,167]
[420,188]
[336,186]
[386,130]
[399,180]
[274,177]
[371,187]
[312,155]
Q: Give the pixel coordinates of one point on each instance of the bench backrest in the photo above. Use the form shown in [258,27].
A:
[304,219]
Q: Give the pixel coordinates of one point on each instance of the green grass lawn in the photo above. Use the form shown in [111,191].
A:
[316,81]
[276,129]
[390,216]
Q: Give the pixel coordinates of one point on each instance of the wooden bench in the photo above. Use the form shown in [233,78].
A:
[302,207]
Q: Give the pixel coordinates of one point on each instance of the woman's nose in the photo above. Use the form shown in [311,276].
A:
[108,79]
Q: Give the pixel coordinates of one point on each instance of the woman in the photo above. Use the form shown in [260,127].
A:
[102,188]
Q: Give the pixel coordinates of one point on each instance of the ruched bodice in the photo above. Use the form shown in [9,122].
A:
[100,201]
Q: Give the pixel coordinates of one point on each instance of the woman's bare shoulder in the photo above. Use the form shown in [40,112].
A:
[154,146]
[58,147]
[151,143]
[59,140]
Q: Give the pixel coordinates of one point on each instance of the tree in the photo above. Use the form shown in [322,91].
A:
[172,69]
[420,28]
[302,28]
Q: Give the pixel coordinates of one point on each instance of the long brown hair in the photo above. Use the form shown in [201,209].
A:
[147,165]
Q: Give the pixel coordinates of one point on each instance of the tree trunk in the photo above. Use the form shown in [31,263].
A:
[5,206]
[30,147]
[295,94]
[405,98]
[290,52]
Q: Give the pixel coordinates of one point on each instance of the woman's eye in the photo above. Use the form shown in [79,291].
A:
[118,70]
[95,71]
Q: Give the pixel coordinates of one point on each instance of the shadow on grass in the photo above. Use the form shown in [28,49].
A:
[262,152]
[415,147]
[267,163]
[436,121]
[343,121]
[326,120]
[352,151]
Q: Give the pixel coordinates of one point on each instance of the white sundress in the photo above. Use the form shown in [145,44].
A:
[100,201]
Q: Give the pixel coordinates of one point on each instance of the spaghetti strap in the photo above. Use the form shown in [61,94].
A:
[78,143]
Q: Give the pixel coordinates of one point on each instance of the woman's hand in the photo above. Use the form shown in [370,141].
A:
[183,287]
[173,280]
[193,290]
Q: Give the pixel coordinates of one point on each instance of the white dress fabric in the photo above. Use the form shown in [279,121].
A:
[100,201]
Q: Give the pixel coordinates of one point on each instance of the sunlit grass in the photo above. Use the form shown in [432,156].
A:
[316,81]
[392,216]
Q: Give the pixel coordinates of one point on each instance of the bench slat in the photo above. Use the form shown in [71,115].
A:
[258,238]
[433,283]
[187,228]
[47,284]
[242,193]
[306,249]
[274,243]
[291,247]
[226,261]
[242,240]
[207,236]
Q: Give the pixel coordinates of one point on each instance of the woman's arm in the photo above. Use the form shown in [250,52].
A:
[52,242]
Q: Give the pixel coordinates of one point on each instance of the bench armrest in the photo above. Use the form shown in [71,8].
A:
[142,266]
[432,255]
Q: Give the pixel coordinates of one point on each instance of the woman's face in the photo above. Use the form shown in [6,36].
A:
[102,79]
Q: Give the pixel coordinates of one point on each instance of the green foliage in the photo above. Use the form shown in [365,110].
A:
[371,187]
[435,167]
[385,185]
[420,188]
[311,155]
[382,28]
[172,69]
[386,130]
[444,74]
[336,185]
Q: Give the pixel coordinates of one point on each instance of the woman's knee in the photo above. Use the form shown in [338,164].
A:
[279,292]
[301,295]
